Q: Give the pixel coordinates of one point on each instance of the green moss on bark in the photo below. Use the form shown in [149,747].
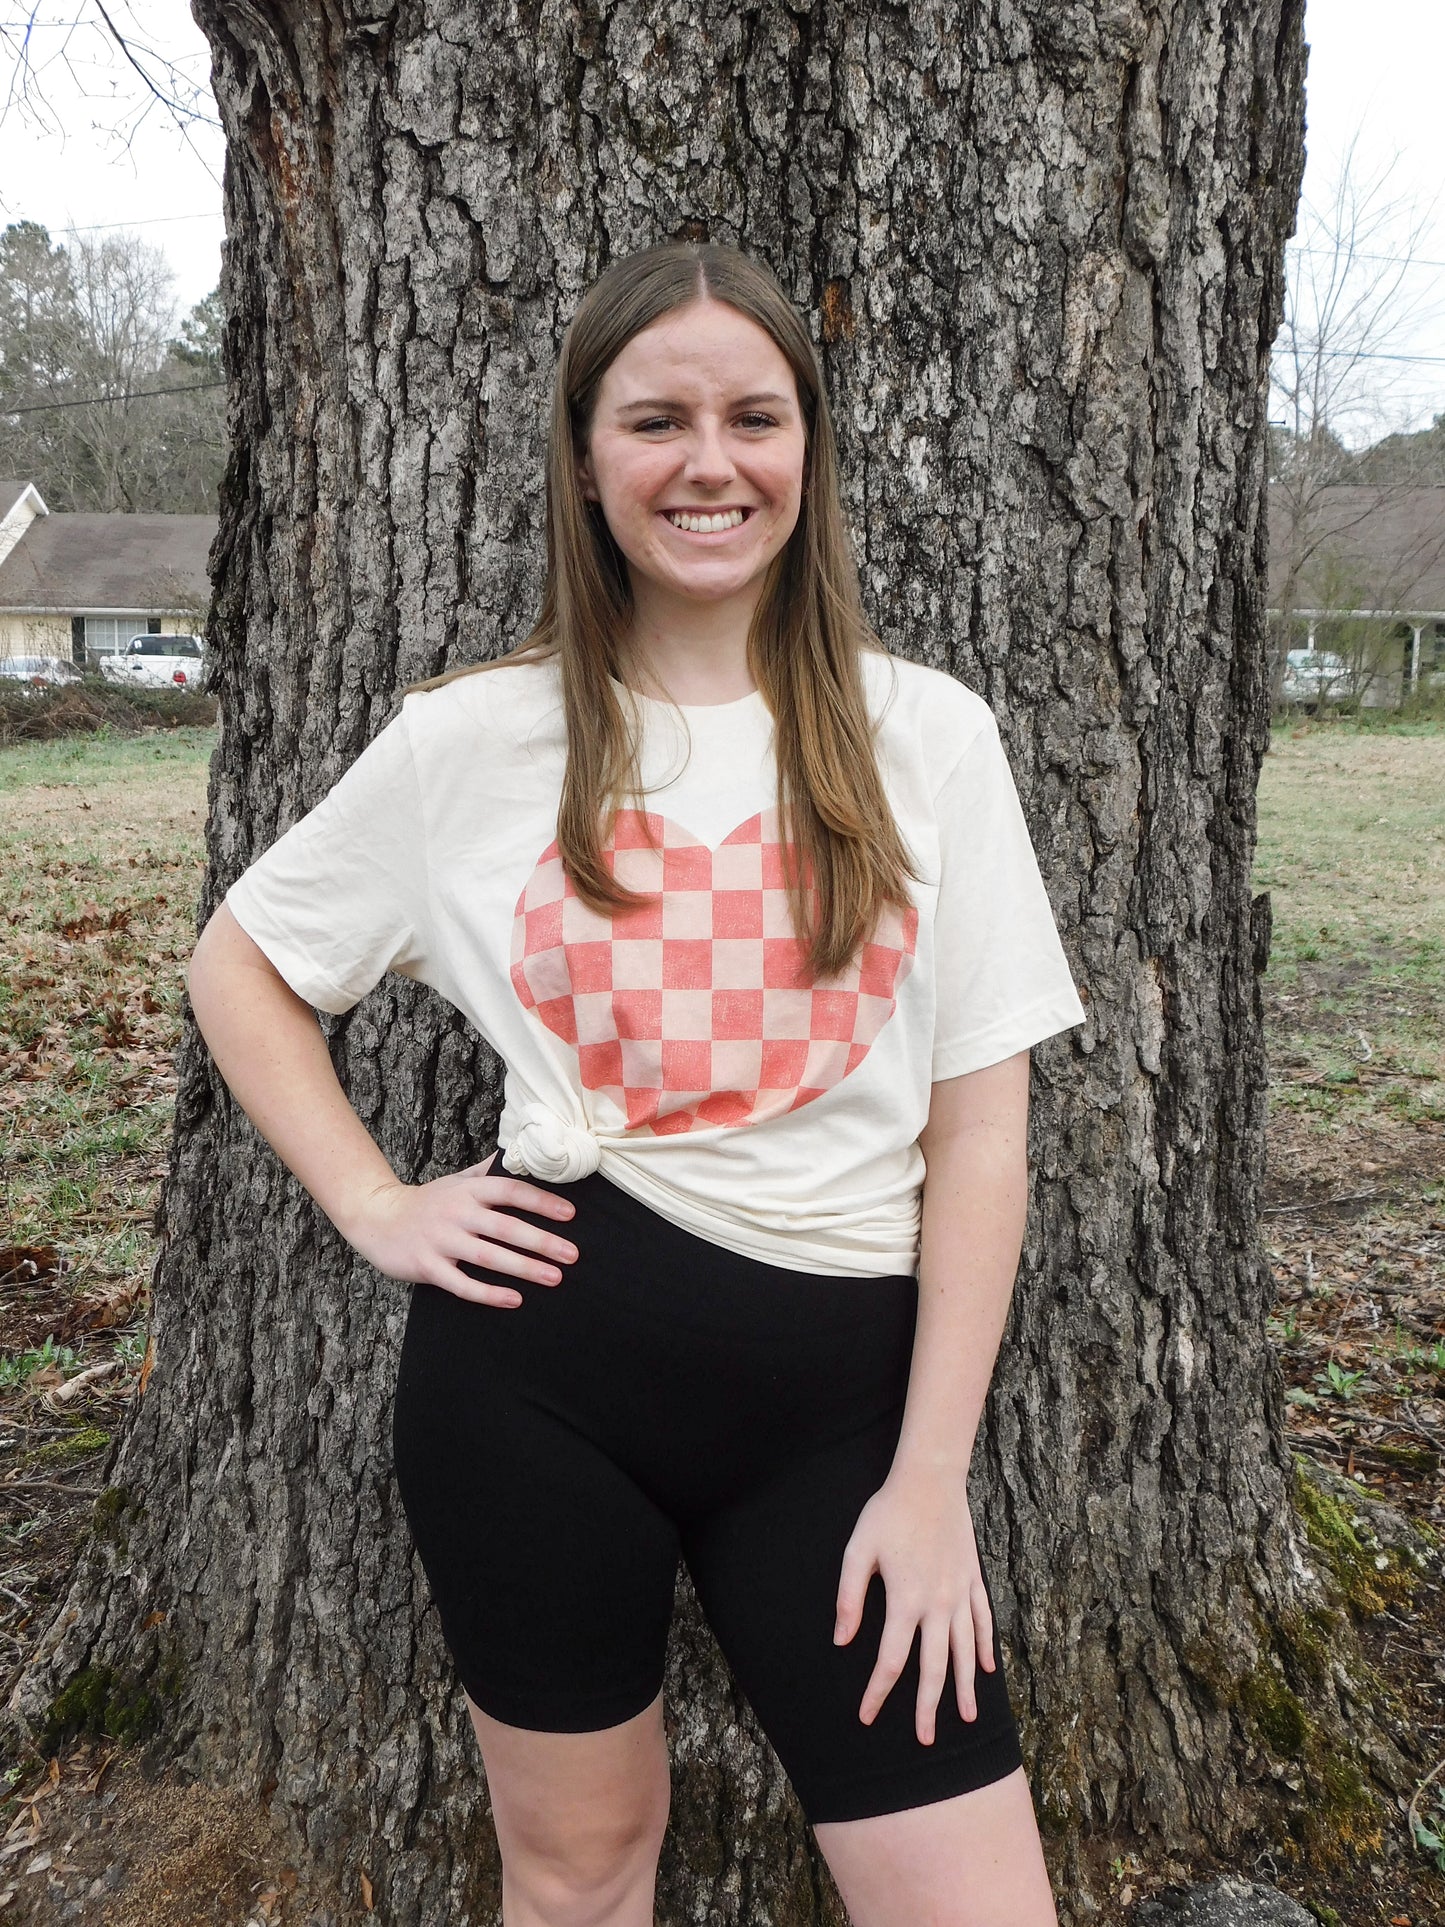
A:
[112,1702]
[100,1702]
[1276,1714]
[1370,1577]
[84,1439]
[115,1507]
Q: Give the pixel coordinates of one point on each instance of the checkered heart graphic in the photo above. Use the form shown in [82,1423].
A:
[694,1009]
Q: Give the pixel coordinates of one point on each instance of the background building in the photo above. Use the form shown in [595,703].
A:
[80,585]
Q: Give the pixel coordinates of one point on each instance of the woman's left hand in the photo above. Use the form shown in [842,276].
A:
[917,1533]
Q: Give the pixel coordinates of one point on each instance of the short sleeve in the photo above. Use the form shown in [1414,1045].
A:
[1003,982]
[342,897]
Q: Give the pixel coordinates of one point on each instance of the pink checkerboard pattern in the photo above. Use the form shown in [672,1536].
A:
[694,1010]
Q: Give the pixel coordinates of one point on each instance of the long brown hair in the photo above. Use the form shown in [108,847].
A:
[848,860]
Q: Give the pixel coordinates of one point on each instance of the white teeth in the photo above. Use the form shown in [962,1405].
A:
[704,524]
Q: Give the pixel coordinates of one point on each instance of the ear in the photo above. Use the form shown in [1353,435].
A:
[585,477]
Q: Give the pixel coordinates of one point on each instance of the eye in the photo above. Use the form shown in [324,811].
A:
[758,420]
[655,421]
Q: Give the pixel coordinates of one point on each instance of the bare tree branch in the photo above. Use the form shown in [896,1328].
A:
[181,110]
[77,38]
[1335,376]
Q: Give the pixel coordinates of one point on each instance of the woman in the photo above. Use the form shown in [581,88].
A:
[748,907]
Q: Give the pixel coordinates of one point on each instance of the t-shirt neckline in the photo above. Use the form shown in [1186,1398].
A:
[738,706]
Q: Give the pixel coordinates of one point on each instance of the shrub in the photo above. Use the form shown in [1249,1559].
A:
[36,715]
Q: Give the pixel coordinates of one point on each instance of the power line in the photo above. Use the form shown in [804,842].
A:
[90,401]
[1384,260]
[100,227]
[1349,354]
[196,387]
[151,220]
[217,214]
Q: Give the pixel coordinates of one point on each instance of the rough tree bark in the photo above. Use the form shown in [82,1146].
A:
[1041,245]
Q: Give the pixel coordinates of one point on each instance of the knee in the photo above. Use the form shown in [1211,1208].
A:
[590,1852]
[582,1869]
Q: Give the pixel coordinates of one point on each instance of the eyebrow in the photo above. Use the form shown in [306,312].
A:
[678,407]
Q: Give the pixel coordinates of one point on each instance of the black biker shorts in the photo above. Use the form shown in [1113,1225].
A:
[673,1398]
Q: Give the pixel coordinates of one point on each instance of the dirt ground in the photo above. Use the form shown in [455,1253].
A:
[1353,1222]
[98,1842]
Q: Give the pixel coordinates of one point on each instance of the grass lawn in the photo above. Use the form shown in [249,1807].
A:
[1352,851]
[101,855]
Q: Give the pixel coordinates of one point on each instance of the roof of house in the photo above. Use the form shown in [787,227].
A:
[92,564]
[1365,548]
[1361,549]
[12,487]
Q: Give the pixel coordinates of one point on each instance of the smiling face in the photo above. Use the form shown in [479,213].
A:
[696,455]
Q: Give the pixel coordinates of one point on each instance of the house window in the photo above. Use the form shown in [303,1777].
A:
[153,625]
[105,634]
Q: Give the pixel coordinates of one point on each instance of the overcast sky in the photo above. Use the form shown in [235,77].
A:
[111,154]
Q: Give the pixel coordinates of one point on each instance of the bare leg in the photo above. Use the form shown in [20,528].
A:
[972,1861]
[579,1818]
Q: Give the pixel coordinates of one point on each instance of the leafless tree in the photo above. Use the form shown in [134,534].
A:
[1336,375]
[101,402]
[127,317]
[39,41]
[1016,270]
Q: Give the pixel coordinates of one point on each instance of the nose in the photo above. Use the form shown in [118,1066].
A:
[708,463]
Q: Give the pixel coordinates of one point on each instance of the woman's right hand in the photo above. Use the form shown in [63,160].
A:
[418,1232]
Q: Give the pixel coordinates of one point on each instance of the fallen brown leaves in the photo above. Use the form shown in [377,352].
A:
[91,919]
[21,1263]
[1353,1218]
[102,1309]
[138,1852]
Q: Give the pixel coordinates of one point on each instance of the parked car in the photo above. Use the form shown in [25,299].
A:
[40,672]
[1315,675]
[159,662]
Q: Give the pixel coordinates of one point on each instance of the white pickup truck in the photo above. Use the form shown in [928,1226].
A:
[1315,676]
[160,662]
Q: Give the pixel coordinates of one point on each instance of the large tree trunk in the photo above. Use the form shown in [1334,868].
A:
[1042,246]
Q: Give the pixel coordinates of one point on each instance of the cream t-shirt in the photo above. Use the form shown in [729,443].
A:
[677,1048]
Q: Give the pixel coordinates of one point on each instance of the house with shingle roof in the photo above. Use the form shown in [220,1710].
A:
[1367,556]
[80,586]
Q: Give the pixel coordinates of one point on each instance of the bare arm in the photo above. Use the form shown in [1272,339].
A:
[917,1530]
[268,1046]
[975,1197]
